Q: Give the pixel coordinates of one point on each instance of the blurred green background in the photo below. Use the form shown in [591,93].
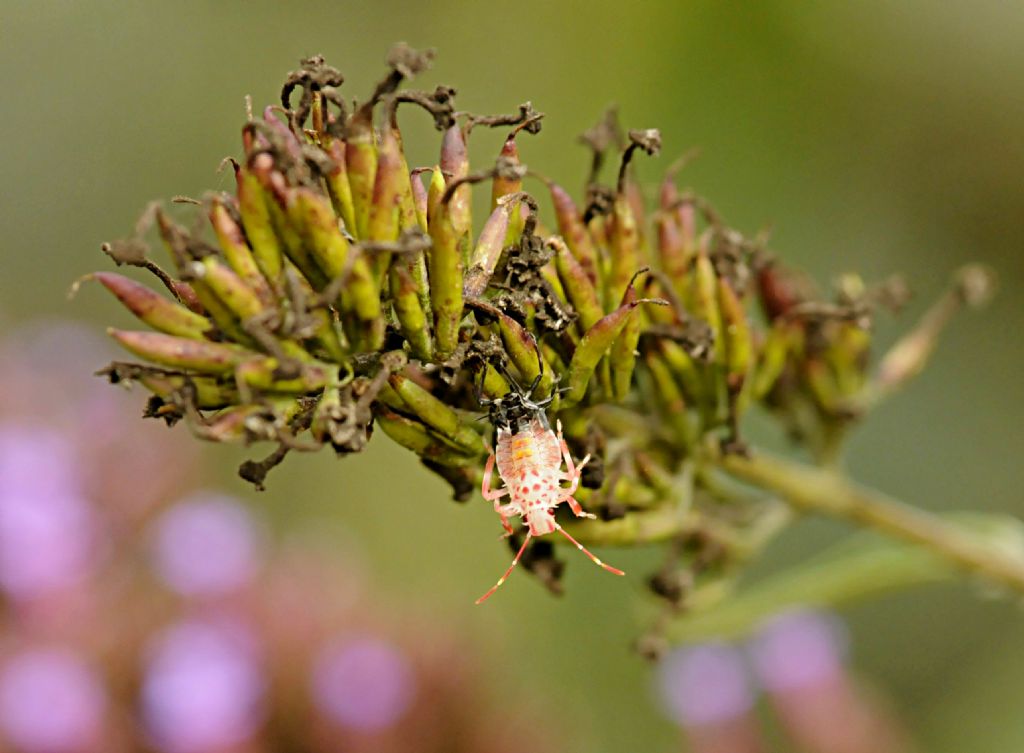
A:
[872,136]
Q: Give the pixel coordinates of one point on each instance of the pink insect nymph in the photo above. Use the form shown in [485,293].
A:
[529,457]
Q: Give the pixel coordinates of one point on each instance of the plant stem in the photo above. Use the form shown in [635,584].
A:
[828,493]
[842,575]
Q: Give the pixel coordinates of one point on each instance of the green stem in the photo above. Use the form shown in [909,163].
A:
[828,493]
[868,568]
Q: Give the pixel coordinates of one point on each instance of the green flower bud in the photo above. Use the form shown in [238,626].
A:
[209,393]
[267,374]
[408,310]
[504,184]
[686,370]
[623,357]
[252,207]
[739,344]
[772,360]
[318,225]
[228,287]
[704,297]
[361,166]
[577,237]
[487,251]
[276,198]
[178,244]
[337,183]
[389,189]
[237,252]
[415,436]
[522,350]
[671,399]
[625,249]
[445,269]
[455,165]
[596,343]
[436,414]
[577,284]
[153,309]
[182,353]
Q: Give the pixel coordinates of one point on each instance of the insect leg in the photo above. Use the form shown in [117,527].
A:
[575,507]
[505,511]
[573,470]
[566,494]
[573,475]
[587,552]
[485,488]
[508,572]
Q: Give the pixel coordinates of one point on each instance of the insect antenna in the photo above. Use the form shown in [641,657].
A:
[508,572]
[503,368]
[540,371]
[587,552]
[545,402]
[478,389]
[533,385]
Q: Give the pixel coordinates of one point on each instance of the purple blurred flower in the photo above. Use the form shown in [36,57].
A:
[36,461]
[47,528]
[203,687]
[799,649]
[206,545]
[34,360]
[704,685]
[364,683]
[50,702]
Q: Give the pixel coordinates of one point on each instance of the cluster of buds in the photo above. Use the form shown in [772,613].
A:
[344,290]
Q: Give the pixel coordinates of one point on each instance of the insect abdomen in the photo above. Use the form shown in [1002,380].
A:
[533,452]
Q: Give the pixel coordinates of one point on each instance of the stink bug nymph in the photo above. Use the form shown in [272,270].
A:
[529,457]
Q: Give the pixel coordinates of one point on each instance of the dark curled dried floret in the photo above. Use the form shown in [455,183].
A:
[314,77]
[527,119]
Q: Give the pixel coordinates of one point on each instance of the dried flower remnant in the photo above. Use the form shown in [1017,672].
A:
[344,289]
